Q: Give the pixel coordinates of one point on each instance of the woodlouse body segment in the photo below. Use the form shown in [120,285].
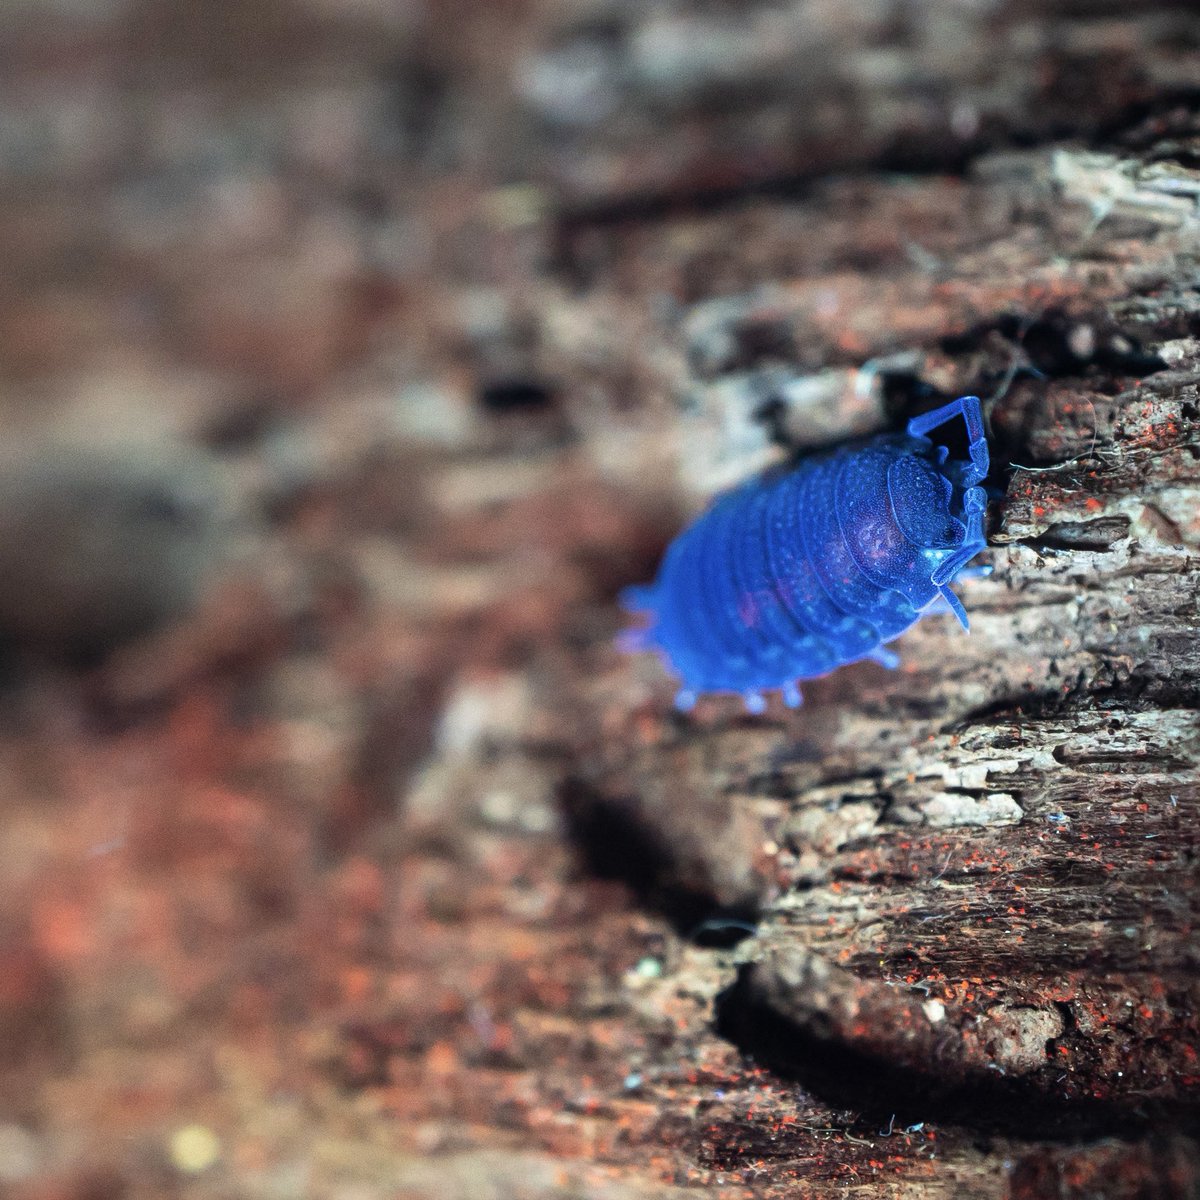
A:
[792,575]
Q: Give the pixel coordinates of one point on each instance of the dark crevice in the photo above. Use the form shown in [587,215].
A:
[1145,124]
[1143,692]
[1041,348]
[514,395]
[927,155]
[1100,534]
[1005,709]
[879,1090]
[1058,345]
[1132,694]
[615,840]
[661,206]
[905,394]
[933,152]
[242,427]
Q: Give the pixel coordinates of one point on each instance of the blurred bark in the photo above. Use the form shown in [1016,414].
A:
[386,868]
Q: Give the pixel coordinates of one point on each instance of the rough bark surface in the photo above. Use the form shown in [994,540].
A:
[975,876]
[353,358]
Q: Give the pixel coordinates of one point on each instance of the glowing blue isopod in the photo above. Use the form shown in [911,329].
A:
[792,575]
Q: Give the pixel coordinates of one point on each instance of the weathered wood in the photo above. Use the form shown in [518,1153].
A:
[386,874]
[976,875]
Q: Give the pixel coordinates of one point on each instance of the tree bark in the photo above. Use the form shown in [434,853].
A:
[975,876]
[386,872]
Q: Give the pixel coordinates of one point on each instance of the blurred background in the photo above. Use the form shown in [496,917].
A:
[353,354]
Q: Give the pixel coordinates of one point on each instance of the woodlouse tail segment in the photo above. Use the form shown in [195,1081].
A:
[792,696]
[685,700]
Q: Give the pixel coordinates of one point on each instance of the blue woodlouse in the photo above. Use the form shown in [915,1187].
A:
[794,574]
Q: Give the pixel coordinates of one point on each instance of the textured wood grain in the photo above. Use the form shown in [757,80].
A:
[976,876]
[384,874]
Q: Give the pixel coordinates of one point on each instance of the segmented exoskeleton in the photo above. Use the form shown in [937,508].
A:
[792,575]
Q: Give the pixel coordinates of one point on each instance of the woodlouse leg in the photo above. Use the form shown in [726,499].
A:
[982,571]
[973,541]
[633,641]
[956,607]
[968,408]
[946,602]
[791,695]
[685,700]
[954,566]
[638,599]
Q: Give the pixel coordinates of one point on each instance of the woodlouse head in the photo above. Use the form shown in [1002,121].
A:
[921,498]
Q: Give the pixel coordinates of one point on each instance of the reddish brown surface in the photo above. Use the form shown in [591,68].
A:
[360,858]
